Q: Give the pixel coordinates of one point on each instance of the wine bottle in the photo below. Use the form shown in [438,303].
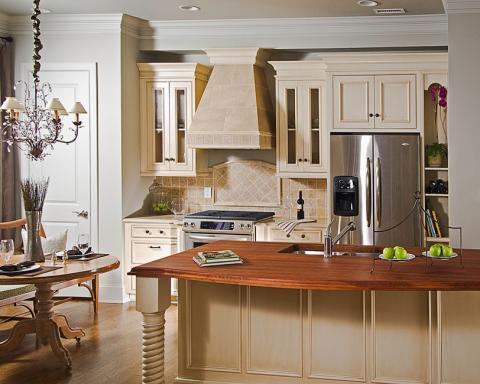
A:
[300,203]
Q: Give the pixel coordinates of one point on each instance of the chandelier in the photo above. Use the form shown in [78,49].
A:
[36,124]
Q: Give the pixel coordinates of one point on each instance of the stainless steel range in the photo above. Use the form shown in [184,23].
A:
[208,226]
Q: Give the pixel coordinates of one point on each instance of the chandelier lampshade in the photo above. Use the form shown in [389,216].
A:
[36,123]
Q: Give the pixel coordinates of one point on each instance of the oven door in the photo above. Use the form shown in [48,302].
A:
[193,240]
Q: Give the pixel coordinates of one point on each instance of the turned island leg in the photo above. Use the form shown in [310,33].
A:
[153,299]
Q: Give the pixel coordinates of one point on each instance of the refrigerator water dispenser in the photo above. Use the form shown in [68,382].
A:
[345,195]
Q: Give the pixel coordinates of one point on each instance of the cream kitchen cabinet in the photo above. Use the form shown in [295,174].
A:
[169,95]
[147,239]
[375,102]
[301,127]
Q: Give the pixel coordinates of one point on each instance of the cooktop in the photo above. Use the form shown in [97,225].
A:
[231,215]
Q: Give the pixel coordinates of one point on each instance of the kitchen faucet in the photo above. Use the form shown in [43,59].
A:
[329,242]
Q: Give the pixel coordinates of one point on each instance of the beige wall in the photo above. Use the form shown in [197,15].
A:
[464,132]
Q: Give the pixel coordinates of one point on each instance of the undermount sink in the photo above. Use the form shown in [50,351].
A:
[317,250]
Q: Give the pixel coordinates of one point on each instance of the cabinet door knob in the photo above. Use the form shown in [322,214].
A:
[377,115]
[305,160]
[172,159]
[370,115]
[161,232]
[147,232]
[303,236]
[300,160]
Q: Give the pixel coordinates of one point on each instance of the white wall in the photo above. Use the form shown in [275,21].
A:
[463,123]
[104,49]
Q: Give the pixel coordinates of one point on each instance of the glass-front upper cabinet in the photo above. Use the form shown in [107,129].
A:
[180,110]
[301,133]
[167,105]
[314,131]
[290,140]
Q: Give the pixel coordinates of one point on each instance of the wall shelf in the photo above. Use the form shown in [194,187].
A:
[438,239]
[438,169]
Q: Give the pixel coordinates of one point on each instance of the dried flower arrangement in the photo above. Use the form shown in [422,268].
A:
[34,193]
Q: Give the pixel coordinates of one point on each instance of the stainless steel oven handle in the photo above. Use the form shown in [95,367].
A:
[379,193]
[217,238]
[368,203]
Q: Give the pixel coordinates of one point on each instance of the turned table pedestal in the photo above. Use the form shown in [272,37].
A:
[48,325]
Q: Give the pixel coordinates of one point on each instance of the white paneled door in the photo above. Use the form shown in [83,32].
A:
[72,195]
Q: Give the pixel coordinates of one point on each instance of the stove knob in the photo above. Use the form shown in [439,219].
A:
[192,225]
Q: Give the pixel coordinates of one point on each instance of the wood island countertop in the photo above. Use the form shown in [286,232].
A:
[270,265]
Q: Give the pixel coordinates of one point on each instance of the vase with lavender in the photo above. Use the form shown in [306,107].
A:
[34,192]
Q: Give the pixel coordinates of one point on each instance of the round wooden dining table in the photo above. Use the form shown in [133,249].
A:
[48,325]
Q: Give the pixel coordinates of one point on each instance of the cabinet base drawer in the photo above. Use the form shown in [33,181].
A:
[145,251]
[157,231]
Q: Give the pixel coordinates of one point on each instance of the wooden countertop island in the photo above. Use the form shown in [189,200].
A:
[273,265]
[283,317]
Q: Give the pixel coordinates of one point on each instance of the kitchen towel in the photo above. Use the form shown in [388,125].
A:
[289,225]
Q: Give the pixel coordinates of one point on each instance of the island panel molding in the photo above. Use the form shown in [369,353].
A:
[268,332]
[335,349]
[212,332]
[409,311]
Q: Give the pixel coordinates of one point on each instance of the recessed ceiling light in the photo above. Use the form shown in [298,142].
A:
[367,3]
[189,8]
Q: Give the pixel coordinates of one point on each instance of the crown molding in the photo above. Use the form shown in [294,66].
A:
[324,32]
[320,32]
[461,6]
[66,24]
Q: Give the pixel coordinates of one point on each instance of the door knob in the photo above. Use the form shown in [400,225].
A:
[83,213]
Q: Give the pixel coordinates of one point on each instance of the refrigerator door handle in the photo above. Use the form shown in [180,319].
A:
[368,187]
[378,190]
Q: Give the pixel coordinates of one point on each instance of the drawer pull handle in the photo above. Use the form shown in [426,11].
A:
[155,247]
[303,236]
[147,232]
[161,232]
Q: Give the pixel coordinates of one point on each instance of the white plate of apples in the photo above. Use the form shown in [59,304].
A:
[396,254]
[440,251]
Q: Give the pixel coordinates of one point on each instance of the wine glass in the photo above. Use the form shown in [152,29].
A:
[177,207]
[83,243]
[6,249]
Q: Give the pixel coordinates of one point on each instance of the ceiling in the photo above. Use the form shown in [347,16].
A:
[221,9]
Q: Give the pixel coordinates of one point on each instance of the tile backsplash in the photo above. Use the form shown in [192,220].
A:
[190,191]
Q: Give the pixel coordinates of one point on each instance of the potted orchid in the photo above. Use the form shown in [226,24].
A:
[437,151]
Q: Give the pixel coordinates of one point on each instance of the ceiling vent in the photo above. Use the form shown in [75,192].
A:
[389,11]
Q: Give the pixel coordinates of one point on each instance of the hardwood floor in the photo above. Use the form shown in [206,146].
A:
[110,353]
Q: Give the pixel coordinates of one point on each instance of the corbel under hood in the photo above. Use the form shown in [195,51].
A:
[235,111]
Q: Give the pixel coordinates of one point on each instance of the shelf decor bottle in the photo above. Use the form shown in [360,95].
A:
[34,193]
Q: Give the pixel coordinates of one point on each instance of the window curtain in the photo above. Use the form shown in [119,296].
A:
[10,208]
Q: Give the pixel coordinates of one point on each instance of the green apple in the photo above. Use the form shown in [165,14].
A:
[447,251]
[388,253]
[400,253]
[435,250]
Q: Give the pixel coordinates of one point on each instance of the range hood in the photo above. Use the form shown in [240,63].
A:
[235,111]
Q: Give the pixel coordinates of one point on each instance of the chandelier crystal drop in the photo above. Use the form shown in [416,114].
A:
[36,122]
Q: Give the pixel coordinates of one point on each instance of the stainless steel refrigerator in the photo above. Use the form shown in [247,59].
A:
[388,171]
